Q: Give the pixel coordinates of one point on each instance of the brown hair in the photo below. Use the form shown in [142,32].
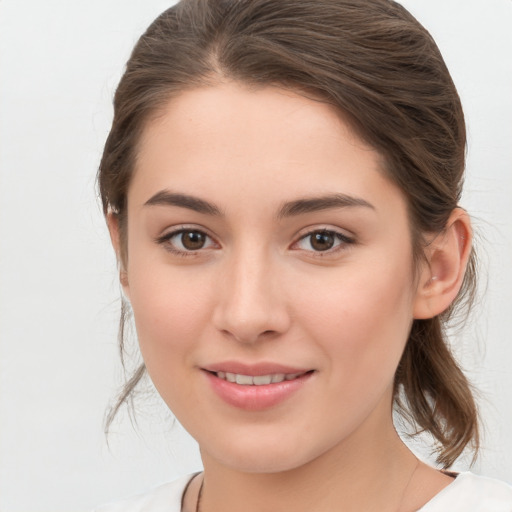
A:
[382,70]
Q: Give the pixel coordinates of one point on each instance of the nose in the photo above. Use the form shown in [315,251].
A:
[251,304]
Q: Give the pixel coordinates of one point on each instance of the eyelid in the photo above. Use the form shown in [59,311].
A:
[171,232]
[315,228]
[341,235]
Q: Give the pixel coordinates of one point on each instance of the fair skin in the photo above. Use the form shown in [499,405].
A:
[264,237]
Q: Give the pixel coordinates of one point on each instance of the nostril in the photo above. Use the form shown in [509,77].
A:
[240,317]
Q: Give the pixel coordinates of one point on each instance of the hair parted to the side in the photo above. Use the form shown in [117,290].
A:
[374,63]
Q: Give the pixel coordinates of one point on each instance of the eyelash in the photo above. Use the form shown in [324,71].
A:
[165,240]
[342,239]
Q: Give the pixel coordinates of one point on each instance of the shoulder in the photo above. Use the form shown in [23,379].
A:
[471,492]
[165,498]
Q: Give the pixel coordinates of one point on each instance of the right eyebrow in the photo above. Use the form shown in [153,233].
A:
[315,204]
[167,198]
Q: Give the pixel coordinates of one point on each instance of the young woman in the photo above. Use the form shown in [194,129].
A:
[281,184]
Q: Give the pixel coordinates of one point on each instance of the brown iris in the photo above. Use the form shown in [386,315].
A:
[322,240]
[193,240]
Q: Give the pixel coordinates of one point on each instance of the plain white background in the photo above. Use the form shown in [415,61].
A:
[60,62]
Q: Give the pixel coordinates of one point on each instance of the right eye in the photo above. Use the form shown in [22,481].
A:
[323,241]
[185,241]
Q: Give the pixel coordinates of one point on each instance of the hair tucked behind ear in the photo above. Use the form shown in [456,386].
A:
[438,397]
[375,64]
[431,391]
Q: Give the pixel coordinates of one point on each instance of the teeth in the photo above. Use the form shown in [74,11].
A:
[245,380]
[257,380]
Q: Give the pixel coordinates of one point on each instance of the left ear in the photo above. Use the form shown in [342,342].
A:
[441,277]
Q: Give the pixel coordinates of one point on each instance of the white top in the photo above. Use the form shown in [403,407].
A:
[467,493]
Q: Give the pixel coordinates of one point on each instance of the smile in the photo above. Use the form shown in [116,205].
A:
[257,380]
[259,392]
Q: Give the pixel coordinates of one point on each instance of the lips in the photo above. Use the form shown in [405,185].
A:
[255,387]
[257,380]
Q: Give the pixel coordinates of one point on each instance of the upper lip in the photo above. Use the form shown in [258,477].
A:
[254,369]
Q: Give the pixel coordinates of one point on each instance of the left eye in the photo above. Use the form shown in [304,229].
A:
[322,241]
[186,240]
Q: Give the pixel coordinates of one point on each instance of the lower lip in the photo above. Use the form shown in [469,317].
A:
[256,398]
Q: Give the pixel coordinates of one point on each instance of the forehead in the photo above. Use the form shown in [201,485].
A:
[264,143]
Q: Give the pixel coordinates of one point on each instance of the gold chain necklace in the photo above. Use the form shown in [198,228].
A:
[200,494]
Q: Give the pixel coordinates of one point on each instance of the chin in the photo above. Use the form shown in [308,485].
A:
[261,464]
[261,457]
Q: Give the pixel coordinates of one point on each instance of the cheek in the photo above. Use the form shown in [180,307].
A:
[170,311]
[169,318]
[362,322]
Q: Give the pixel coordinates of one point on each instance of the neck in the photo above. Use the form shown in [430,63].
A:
[365,472]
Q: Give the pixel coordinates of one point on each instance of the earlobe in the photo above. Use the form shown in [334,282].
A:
[113,227]
[447,257]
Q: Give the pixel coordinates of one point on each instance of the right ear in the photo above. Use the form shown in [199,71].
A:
[113,228]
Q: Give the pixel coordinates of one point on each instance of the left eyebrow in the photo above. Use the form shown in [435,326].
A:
[314,204]
[167,198]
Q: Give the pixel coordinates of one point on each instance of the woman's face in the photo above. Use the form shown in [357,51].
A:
[266,246]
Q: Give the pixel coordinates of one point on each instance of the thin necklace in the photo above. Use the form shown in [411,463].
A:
[407,486]
[200,494]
